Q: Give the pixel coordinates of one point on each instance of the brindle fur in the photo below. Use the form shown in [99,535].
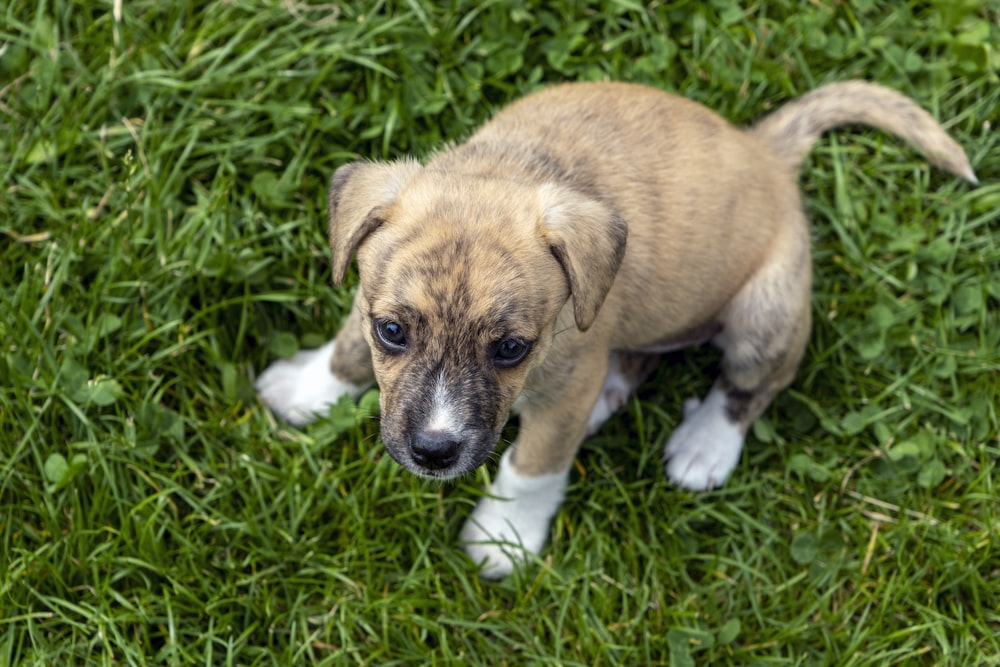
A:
[591,220]
[492,237]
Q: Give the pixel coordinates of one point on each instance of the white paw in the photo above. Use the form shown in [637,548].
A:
[705,447]
[302,388]
[614,394]
[513,522]
[607,404]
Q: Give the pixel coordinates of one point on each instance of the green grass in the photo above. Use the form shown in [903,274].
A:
[162,239]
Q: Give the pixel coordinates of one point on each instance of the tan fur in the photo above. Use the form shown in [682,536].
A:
[543,265]
[521,231]
[792,130]
[586,220]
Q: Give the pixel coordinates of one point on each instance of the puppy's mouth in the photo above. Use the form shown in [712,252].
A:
[440,455]
[446,430]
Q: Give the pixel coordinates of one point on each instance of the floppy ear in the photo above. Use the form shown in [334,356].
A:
[588,239]
[359,195]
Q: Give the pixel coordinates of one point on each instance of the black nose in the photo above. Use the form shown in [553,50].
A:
[434,449]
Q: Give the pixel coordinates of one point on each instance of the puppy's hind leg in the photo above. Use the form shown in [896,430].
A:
[302,388]
[764,333]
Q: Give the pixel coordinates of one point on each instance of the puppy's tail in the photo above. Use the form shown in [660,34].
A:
[793,129]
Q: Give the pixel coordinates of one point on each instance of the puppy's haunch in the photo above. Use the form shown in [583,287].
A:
[541,266]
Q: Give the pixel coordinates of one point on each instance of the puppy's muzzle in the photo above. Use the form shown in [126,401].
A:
[439,454]
[445,430]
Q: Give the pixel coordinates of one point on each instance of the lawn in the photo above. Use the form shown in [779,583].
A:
[162,234]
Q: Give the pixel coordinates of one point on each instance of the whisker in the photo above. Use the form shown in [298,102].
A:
[556,333]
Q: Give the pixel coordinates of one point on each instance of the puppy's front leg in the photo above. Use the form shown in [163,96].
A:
[302,388]
[513,521]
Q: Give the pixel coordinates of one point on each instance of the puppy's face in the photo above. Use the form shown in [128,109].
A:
[462,281]
[461,295]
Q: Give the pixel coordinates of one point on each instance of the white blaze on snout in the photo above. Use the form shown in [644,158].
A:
[444,415]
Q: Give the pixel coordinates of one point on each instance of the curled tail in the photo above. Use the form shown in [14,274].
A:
[793,129]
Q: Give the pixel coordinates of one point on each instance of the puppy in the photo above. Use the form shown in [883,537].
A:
[540,266]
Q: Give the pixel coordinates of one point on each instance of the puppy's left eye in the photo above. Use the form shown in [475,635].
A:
[510,352]
[391,335]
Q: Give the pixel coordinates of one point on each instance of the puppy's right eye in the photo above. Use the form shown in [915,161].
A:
[510,352]
[391,335]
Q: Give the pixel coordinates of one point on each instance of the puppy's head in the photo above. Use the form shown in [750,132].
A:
[463,280]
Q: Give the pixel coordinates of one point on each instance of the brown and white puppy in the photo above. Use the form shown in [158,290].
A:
[541,265]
